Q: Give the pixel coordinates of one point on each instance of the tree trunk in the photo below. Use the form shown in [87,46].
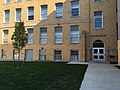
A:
[18,65]
[23,61]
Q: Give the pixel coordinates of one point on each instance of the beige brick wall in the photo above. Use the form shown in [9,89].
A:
[86,15]
[118,9]
[108,33]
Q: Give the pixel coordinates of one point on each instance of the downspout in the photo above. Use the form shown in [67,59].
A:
[89,31]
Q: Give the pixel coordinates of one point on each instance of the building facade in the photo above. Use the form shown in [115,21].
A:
[60,30]
[118,14]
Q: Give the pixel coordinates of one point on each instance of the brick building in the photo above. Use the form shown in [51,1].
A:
[61,30]
[118,12]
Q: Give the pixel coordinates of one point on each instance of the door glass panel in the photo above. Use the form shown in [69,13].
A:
[95,57]
[95,51]
[101,51]
[101,57]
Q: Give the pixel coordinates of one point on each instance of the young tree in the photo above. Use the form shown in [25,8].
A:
[19,38]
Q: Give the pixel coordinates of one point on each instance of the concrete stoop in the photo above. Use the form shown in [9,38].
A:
[98,61]
[84,63]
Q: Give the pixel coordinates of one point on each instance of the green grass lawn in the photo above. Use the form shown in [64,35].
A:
[41,76]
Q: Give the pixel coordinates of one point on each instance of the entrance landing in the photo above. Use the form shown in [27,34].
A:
[85,63]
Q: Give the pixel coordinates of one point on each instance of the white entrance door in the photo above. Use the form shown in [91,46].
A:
[98,54]
[29,55]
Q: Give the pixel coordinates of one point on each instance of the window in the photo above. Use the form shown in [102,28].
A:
[6,16]
[3,54]
[42,54]
[7,1]
[43,35]
[75,34]
[74,55]
[98,0]
[5,37]
[98,20]
[58,35]
[30,36]
[28,54]
[75,8]
[15,55]
[44,12]
[18,14]
[59,10]
[18,0]
[57,55]
[30,13]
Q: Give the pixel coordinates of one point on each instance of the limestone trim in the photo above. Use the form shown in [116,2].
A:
[49,23]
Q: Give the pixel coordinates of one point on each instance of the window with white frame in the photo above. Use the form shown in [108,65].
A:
[58,55]
[7,1]
[30,36]
[5,37]
[74,55]
[58,35]
[3,54]
[6,16]
[30,13]
[59,10]
[42,54]
[18,0]
[98,20]
[44,11]
[98,0]
[18,14]
[75,34]
[43,35]
[75,8]
[15,55]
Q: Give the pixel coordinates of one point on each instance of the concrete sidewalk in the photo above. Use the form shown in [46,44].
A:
[101,76]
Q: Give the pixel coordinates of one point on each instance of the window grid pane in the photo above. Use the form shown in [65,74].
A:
[74,34]
[43,12]
[75,8]
[18,0]
[15,55]
[30,13]
[7,1]
[42,54]
[58,55]
[59,10]
[43,35]
[74,55]
[58,35]
[18,14]
[3,54]
[7,15]
[98,20]
[30,36]
[5,36]
[98,0]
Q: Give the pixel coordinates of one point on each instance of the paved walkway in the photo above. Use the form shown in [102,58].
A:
[101,76]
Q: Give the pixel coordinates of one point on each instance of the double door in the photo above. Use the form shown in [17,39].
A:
[98,54]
